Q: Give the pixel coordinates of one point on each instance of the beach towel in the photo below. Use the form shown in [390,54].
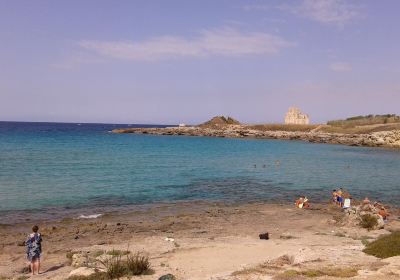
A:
[346,203]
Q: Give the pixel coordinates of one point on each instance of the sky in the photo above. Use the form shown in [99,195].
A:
[170,61]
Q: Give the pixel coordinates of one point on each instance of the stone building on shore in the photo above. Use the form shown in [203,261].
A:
[295,116]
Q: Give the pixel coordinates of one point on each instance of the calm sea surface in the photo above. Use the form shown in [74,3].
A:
[51,168]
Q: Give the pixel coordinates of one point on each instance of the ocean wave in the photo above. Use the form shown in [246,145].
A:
[93,216]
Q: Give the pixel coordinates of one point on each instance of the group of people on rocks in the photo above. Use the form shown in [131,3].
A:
[341,198]
[376,208]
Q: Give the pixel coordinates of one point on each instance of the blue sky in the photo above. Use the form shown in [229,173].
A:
[186,61]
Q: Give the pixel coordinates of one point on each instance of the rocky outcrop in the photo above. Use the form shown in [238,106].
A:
[82,271]
[80,259]
[376,139]
[353,216]
[219,122]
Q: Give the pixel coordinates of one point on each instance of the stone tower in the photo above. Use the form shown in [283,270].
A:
[295,116]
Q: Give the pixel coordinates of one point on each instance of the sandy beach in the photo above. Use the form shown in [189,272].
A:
[200,240]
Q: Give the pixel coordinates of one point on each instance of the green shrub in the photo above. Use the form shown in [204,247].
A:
[368,221]
[385,247]
[137,264]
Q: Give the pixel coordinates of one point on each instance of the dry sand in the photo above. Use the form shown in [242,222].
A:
[210,241]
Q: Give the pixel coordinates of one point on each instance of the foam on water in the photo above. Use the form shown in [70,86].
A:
[93,216]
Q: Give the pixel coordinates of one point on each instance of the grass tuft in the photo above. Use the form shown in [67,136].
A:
[384,247]
[137,264]
[118,252]
[115,267]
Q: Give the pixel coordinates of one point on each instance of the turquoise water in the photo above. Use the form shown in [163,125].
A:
[56,168]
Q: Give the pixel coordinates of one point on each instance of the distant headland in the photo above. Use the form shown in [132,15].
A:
[370,130]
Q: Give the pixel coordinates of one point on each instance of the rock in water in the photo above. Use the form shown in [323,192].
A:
[167,277]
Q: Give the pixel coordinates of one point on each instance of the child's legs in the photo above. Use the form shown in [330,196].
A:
[36,265]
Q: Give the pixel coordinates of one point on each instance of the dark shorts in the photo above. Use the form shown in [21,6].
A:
[340,199]
[34,258]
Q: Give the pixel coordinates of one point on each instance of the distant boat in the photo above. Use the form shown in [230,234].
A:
[78,124]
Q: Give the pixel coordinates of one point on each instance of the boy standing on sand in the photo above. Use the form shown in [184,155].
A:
[34,249]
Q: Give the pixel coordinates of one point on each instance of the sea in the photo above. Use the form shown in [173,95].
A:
[57,170]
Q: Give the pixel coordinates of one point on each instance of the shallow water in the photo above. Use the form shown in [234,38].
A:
[51,168]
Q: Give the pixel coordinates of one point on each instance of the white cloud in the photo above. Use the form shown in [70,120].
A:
[256,7]
[76,59]
[340,67]
[330,12]
[226,42]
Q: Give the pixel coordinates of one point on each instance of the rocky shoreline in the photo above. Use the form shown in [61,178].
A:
[389,139]
[186,239]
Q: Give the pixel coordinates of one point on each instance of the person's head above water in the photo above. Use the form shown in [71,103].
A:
[35,228]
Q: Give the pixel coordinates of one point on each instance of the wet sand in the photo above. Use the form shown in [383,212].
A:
[210,241]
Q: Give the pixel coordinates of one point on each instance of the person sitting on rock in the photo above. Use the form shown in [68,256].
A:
[306,203]
[302,202]
[366,201]
[299,202]
[383,213]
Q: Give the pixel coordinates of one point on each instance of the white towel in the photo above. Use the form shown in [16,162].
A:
[346,203]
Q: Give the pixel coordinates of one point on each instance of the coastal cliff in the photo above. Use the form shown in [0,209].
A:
[390,138]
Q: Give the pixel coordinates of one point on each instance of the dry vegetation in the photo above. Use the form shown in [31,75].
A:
[366,120]
[283,127]
[345,129]
[354,125]
[120,264]
[364,129]
[345,272]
